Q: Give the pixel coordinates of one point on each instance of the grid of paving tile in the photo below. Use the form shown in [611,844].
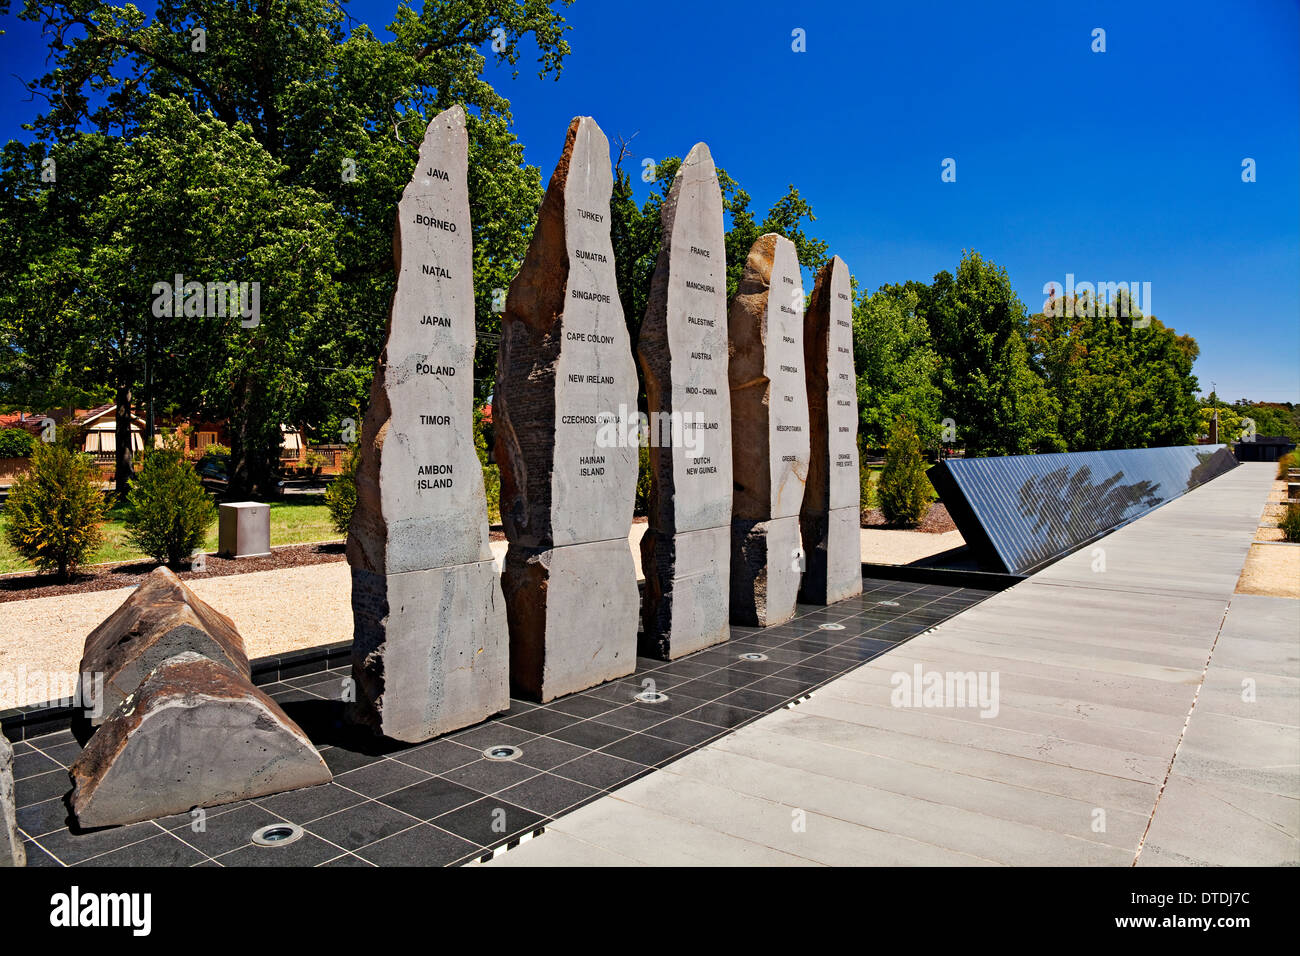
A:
[444,802]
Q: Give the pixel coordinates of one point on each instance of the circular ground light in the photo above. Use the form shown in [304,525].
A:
[278,834]
[831,627]
[503,752]
[651,697]
[753,656]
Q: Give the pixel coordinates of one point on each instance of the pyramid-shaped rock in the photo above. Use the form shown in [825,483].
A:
[195,733]
[161,618]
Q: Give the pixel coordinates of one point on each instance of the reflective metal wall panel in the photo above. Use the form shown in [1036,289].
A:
[1021,512]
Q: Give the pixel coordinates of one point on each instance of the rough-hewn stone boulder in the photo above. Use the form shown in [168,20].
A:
[429,651]
[685,552]
[160,619]
[769,433]
[565,394]
[830,518]
[11,842]
[195,734]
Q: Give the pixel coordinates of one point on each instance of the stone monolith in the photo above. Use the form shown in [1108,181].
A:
[564,410]
[686,550]
[769,433]
[430,645]
[11,841]
[194,734]
[831,516]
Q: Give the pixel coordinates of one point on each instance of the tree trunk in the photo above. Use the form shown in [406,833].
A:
[125,454]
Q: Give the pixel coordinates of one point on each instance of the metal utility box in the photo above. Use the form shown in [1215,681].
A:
[244,530]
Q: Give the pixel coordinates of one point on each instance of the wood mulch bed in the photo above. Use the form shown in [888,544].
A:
[106,577]
[936,521]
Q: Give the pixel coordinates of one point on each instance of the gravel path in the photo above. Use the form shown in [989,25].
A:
[286,609]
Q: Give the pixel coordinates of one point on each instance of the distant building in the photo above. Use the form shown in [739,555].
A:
[1263,448]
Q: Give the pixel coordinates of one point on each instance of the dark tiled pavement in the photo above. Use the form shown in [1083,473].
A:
[443,802]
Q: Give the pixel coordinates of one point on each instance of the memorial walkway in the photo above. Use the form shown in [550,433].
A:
[1144,714]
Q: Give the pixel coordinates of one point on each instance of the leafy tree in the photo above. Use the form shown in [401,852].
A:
[989,386]
[897,366]
[54,512]
[336,114]
[904,491]
[168,511]
[1269,418]
[1117,378]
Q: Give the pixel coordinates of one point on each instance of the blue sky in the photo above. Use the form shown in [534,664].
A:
[1117,166]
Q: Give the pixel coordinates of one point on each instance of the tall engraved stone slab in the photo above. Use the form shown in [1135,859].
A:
[430,642]
[686,551]
[769,433]
[566,388]
[831,516]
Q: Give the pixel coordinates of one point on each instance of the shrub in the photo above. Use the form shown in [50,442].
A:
[341,495]
[213,450]
[1290,524]
[168,511]
[492,489]
[54,512]
[1285,463]
[491,473]
[642,480]
[15,443]
[904,491]
[865,491]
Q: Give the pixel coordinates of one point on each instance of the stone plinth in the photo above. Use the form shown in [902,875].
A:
[685,553]
[572,616]
[160,619]
[769,433]
[194,734]
[430,648]
[11,841]
[565,415]
[831,514]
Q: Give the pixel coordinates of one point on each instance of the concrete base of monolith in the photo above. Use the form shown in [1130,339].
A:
[687,584]
[833,547]
[158,620]
[766,564]
[572,613]
[11,841]
[429,649]
[195,734]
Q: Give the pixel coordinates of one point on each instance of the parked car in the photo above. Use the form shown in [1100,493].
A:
[213,472]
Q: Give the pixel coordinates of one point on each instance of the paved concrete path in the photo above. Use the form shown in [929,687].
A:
[1120,733]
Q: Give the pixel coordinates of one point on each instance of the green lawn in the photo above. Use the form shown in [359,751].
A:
[303,518]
